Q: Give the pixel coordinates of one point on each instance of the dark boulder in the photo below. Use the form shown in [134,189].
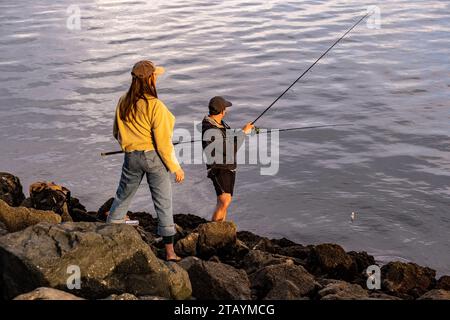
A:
[11,189]
[217,281]
[216,238]
[283,242]
[443,283]
[332,261]
[187,246]
[250,239]
[112,259]
[257,259]
[188,222]
[49,196]
[400,279]
[284,281]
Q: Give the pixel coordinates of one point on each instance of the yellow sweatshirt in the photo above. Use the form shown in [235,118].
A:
[151,129]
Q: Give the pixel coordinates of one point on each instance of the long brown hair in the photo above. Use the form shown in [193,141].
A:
[138,88]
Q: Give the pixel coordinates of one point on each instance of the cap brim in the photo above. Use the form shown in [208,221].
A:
[159,70]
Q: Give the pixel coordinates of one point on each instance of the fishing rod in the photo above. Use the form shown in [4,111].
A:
[311,66]
[257,131]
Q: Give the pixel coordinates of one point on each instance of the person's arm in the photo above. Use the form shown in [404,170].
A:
[162,129]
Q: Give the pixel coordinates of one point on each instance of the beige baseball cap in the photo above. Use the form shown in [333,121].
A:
[144,69]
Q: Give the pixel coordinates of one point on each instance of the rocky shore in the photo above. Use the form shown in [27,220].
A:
[45,236]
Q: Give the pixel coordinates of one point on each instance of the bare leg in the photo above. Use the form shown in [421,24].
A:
[223,202]
[170,252]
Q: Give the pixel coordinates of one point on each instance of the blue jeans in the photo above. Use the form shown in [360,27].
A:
[135,165]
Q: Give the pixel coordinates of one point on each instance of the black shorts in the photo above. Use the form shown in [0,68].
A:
[223,180]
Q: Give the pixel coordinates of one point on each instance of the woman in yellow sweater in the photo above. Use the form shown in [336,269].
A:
[143,126]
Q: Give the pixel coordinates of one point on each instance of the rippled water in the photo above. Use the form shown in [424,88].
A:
[59,87]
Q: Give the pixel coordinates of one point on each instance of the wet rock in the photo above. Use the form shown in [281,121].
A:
[436,294]
[11,189]
[218,281]
[43,293]
[264,244]
[188,222]
[51,197]
[332,261]
[216,238]
[123,296]
[361,260]
[187,262]
[83,216]
[112,259]
[341,290]
[146,221]
[283,242]
[250,239]
[443,283]
[399,278]
[19,218]
[282,282]
[296,251]
[257,259]
[179,282]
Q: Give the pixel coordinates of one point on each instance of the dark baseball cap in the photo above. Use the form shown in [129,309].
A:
[218,104]
[144,69]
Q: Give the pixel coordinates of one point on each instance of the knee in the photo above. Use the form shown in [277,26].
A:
[225,200]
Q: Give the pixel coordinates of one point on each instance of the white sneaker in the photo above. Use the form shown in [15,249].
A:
[132,222]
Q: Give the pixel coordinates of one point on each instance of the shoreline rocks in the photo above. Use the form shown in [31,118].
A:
[121,262]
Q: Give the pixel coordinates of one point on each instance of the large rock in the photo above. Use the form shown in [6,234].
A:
[216,238]
[341,290]
[257,259]
[112,259]
[19,218]
[188,222]
[51,197]
[332,261]
[217,281]
[362,260]
[283,282]
[399,278]
[187,246]
[443,283]
[47,294]
[436,294]
[250,239]
[11,189]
